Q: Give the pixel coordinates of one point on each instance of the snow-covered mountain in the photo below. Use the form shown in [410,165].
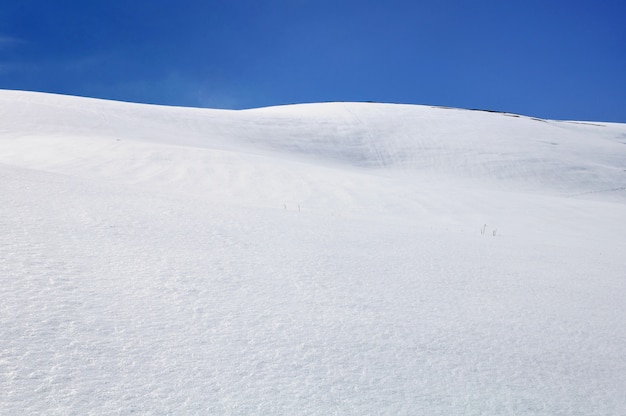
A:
[336,258]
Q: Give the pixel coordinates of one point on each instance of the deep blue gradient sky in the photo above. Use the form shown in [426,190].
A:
[546,58]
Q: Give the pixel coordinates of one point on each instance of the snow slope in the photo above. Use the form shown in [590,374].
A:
[337,258]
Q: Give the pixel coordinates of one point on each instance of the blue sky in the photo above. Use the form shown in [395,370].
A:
[546,58]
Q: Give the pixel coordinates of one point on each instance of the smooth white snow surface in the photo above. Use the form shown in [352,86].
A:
[312,259]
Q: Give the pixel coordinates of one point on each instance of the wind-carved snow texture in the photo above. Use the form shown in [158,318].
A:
[322,259]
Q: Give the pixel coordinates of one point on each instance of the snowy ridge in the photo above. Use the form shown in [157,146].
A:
[336,258]
[573,157]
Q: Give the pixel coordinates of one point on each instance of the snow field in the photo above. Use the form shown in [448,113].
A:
[179,276]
